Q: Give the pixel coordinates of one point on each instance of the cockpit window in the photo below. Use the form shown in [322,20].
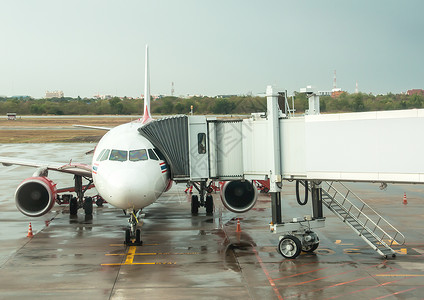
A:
[140,154]
[105,155]
[118,155]
[152,154]
[100,155]
[160,155]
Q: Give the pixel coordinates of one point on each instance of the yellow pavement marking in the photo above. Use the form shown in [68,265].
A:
[130,255]
[147,263]
[401,251]
[119,245]
[339,242]
[400,275]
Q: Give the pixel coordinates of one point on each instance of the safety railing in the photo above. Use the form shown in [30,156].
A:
[363,214]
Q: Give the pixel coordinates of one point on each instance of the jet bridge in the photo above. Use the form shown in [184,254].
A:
[316,149]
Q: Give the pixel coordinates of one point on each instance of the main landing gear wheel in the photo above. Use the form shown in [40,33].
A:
[289,246]
[194,204]
[209,205]
[88,206]
[73,206]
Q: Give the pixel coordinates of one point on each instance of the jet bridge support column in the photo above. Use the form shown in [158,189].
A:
[316,192]
[273,116]
[276,207]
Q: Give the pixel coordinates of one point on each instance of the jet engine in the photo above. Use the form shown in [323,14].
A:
[239,196]
[35,196]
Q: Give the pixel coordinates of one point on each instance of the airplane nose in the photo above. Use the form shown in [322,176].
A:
[130,188]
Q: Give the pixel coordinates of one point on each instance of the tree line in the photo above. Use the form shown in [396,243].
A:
[203,105]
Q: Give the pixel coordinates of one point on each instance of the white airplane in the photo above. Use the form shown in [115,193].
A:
[127,171]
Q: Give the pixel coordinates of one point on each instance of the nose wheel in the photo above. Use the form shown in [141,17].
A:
[133,234]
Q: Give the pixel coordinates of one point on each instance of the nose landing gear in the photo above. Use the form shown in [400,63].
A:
[133,234]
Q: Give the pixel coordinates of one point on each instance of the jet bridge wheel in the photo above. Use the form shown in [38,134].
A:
[310,248]
[195,204]
[289,246]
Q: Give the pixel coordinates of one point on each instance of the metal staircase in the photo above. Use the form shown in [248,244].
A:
[365,221]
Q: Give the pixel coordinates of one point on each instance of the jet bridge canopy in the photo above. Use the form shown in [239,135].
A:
[170,136]
[369,146]
[196,148]
[183,142]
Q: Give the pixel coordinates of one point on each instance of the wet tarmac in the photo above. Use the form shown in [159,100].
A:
[197,257]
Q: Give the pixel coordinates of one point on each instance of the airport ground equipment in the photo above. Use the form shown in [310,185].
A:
[320,149]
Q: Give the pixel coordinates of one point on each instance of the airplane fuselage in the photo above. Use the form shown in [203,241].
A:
[127,171]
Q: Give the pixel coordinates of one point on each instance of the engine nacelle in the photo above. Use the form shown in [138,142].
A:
[239,196]
[35,196]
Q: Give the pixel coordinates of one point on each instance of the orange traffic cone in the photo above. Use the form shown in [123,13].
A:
[30,230]
[404,199]
[191,189]
[238,226]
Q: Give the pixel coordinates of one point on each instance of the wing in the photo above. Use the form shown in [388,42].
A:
[71,168]
[93,127]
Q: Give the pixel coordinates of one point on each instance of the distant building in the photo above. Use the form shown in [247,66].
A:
[415,92]
[324,93]
[103,97]
[336,92]
[54,94]
[11,116]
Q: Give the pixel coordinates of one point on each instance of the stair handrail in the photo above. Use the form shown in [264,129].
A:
[393,239]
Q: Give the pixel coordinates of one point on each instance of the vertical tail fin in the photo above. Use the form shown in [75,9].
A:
[146,116]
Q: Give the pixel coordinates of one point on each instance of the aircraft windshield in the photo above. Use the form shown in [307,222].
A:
[152,155]
[105,155]
[100,155]
[136,155]
[118,155]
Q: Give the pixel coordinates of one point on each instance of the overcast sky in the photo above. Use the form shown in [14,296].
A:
[209,47]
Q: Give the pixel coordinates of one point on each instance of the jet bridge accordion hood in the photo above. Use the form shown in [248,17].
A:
[170,136]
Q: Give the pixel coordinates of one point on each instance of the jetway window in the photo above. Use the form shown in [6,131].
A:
[137,155]
[201,143]
[118,155]
[105,155]
[152,155]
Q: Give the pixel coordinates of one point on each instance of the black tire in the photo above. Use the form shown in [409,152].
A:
[209,205]
[73,206]
[127,236]
[99,202]
[310,248]
[138,237]
[289,246]
[194,204]
[88,206]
